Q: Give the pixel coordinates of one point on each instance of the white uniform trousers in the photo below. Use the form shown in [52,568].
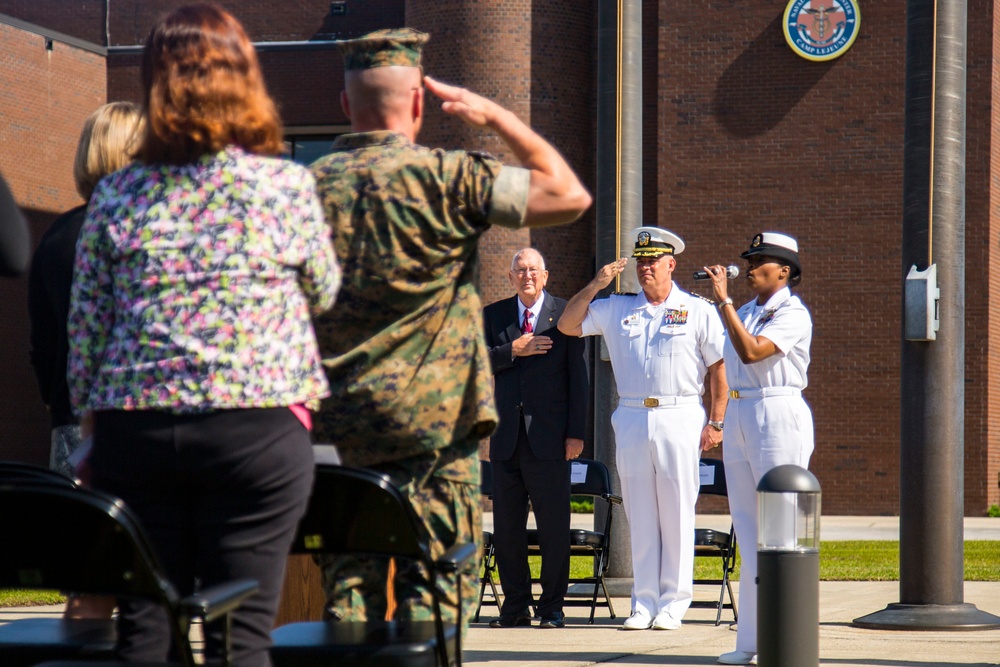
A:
[657,458]
[761,433]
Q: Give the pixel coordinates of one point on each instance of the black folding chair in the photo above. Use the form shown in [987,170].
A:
[81,541]
[91,637]
[356,511]
[18,472]
[489,550]
[711,543]
[591,478]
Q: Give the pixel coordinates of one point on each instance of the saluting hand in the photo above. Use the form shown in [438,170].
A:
[609,271]
[530,344]
[472,108]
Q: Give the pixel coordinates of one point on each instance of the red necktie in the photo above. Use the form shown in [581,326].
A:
[526,327]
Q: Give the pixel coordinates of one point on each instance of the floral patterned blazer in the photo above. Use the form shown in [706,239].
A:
[194,287]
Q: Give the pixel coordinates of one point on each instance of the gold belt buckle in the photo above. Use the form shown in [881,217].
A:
[734,393]
[651,402]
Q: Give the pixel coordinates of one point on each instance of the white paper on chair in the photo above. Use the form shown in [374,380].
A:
[706,475]
[578,474]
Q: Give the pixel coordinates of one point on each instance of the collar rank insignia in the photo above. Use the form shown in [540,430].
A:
[675,317]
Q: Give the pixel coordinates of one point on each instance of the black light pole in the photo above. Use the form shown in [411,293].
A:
[619,211]
[931,572]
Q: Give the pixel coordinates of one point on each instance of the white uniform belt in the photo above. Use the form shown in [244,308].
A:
[658,401]
[764,391]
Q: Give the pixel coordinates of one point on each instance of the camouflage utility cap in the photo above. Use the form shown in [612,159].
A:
[382,48]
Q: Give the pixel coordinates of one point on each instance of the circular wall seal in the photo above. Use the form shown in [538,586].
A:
[821,29]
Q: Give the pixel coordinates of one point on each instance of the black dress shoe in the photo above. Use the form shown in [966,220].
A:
[520,619]
[554,620]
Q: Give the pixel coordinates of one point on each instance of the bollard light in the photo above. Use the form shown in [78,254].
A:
[788,506]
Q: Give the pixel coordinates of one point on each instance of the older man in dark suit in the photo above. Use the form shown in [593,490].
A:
[542,393]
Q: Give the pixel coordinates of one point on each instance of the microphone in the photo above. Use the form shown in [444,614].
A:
[731,272]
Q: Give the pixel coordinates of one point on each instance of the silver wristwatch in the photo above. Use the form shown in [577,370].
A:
[718,426]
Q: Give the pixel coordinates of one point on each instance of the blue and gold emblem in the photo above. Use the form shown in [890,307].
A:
[821,29]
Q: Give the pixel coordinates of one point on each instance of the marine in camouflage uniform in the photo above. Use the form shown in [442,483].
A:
[404,351]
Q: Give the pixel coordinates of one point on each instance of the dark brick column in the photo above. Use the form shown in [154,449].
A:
[533,58]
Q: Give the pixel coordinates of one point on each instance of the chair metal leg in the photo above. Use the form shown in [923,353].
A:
[482,594]
[489,567]
[458,630]
[732,600]
[722,597]
[607,597]
[728,562]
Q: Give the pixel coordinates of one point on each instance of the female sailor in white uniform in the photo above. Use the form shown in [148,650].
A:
[767,422]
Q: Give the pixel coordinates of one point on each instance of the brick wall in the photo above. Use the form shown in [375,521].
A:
[982,346]
[83,19]
[264,20]
[305,85]
[45,97]
[504,52]
[752,138]
[486,48]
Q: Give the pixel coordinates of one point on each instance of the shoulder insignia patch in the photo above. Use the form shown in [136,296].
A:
[704,298]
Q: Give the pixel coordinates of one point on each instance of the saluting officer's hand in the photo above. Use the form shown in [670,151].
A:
[609,271]
[472,108]
[530,344]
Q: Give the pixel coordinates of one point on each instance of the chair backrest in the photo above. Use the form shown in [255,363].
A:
[84,541]
[18,472]
[76,540]
[590,478]
[486,478]
[712,473]
[353,510]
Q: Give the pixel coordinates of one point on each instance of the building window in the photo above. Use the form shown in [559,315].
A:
[305,145]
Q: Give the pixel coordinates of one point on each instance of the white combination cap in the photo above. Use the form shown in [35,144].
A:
[654,241]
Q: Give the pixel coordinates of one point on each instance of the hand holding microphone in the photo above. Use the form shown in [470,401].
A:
[731,272]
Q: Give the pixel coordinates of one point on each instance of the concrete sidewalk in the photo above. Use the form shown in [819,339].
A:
[700,641]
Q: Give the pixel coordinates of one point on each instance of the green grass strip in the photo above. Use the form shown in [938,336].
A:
[855,560]
[18,597]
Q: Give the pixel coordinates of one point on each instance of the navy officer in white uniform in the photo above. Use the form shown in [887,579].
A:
[768,423]
[663,343]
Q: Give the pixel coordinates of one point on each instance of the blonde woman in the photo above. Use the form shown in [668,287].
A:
[107,143]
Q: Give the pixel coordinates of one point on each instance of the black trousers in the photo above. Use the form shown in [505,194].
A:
[220,496]
[547,484]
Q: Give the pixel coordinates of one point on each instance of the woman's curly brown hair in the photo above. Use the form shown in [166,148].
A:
[204,89]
